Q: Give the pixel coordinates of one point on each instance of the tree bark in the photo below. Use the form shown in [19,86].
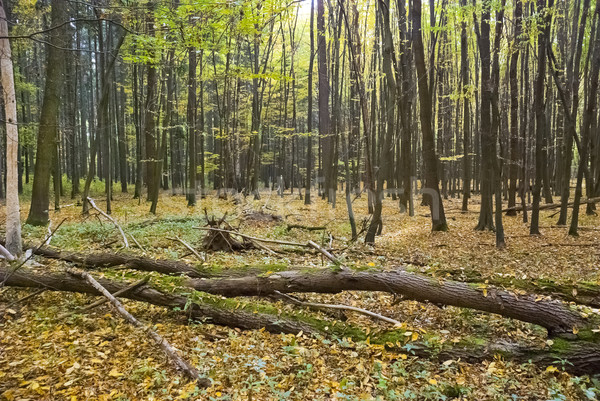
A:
[514,107]
[552,315]
[151,110]
[191,127]
[13,214]
[430,159]
[48,128]
[588,116]
[540,118]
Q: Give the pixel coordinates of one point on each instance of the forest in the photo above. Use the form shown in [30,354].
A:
[299,200]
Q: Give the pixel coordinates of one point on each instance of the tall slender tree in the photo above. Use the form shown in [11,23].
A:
[48,128]
[430,159]
[13,214]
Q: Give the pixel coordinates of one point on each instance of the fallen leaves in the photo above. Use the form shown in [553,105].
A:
[96,356]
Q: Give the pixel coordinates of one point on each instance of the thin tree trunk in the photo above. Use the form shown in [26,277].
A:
[13,214]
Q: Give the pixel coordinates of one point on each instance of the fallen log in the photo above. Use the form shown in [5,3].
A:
[213,312]
[105,260]
[583,292]
[519,208]
[553,315]
[162,343]
[290,227]
[581,357]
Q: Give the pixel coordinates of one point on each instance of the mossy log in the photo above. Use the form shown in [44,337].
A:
[105,260]
[584,293]
[581,357]
[556,317]
[213,311]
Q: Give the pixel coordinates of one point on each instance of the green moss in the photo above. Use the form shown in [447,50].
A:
[588,335]
[560,345]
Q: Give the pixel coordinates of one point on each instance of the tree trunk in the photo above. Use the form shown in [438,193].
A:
[464,72]
[430,159]
[309,117]
[191,127]
[487,136]
[13,214]
[151,110]
[514,106]
[48,128]
[540,118]
[324,114]
[588,116]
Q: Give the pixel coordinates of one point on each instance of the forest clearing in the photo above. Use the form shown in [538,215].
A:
[299,199]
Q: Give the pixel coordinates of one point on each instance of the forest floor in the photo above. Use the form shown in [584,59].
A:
[98,356]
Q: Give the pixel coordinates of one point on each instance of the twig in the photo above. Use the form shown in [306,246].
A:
[7,255]
[264,247]
[328,255]
[167,348]
[333,313]
[49,235]
[189,247]
[33,294]
[93,204]
[340,307]
[31,254]
[308,228]
[102,301]
[137,243]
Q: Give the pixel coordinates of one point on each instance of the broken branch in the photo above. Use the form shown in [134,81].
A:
[93,204]
[167,348]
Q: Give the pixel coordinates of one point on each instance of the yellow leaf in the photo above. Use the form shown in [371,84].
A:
[575,330]
[460,380]
[551,369]
[115,373]
[415,335]
[371,264]
[485,292]
[403,356]
[432,381]
[8,395]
